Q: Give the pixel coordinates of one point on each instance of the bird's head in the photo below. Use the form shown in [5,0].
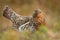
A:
[40,16]
[6,12]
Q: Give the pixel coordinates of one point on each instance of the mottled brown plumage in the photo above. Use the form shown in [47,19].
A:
[24,22]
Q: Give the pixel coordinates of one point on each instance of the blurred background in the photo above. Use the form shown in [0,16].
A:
[26,8]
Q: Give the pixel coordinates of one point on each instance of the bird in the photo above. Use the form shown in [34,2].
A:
[21,23]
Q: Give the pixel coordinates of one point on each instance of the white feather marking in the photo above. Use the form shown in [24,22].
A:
[22,26]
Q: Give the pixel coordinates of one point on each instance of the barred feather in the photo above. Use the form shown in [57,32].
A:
[24,22]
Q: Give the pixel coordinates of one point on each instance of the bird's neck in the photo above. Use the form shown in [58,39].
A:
[35,22]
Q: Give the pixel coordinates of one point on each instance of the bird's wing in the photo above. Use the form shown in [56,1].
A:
[27,26]
[23,27]
[14,17]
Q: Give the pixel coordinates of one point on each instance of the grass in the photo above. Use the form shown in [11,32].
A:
[11,34]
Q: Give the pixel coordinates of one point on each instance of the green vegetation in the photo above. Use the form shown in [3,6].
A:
[41,34]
